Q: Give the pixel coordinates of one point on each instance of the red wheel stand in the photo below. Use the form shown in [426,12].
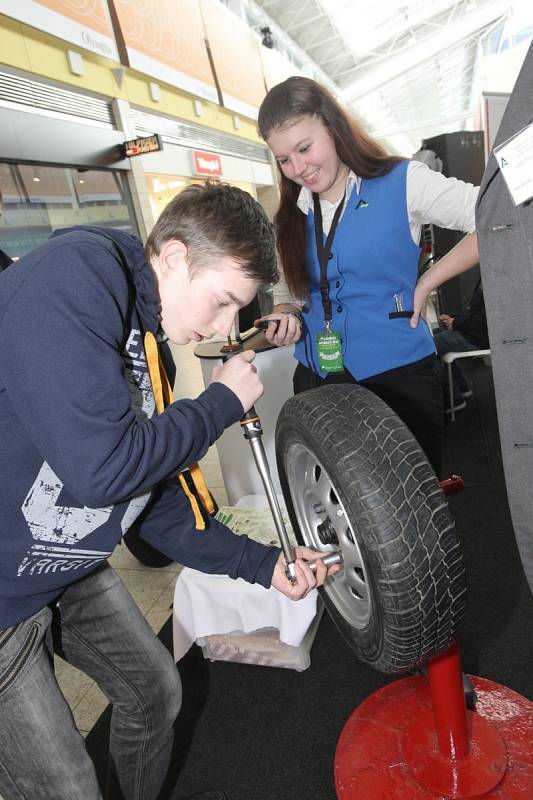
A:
[415,740]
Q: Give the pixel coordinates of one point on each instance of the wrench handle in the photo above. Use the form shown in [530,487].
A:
[251,425]
[249,416]
[332,558]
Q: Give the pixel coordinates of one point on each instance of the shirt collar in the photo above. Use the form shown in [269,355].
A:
[305,198]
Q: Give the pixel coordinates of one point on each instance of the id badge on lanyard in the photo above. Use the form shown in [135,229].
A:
[329,348]
[329,344]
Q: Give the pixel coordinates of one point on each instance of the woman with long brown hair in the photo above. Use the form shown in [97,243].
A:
[348,230]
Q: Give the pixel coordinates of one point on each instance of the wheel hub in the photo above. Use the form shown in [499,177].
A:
[325,526]
[326,532]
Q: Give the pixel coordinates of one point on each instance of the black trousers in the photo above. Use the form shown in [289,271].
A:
[413,392]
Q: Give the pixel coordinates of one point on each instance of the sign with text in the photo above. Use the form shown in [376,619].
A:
[206,163]
[143,145]
[84,23]
[515,159]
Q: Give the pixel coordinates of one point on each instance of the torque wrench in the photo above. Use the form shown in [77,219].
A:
[251,425]
[253,432]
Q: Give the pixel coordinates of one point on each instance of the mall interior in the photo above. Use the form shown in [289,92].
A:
[109,109]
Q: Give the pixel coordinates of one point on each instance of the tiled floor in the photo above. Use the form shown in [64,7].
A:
[152,589]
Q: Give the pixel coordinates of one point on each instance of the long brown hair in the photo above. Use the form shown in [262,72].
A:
[285,103]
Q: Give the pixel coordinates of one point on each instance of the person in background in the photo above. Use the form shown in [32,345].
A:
[348,229]
[84,454]
[5,260]
[466,331]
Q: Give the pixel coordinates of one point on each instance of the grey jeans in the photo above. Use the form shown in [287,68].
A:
[97,627]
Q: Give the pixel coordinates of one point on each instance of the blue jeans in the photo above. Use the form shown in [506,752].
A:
[97,627]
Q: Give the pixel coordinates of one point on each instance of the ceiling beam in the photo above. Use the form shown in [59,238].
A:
[436,122]
[343,56]
[459,30]
[316,38]
[291,29]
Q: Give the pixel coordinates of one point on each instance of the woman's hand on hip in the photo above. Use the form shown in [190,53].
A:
[420,300]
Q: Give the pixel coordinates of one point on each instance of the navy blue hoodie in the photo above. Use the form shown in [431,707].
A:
[82,452]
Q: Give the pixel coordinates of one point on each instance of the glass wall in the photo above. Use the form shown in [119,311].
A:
[38,199]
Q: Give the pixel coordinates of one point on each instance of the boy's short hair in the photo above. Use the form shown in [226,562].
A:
[217,220]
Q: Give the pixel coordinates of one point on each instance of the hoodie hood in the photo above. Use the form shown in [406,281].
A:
[130,252]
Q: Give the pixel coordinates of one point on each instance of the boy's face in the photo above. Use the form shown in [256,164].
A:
[198,304]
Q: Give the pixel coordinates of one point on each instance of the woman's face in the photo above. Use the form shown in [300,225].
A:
[304,149]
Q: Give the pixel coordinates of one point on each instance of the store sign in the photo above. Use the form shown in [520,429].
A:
[139,147]
[206,163]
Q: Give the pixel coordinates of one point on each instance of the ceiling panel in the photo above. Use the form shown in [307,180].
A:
[407,68]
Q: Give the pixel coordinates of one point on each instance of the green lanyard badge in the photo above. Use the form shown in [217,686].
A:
[329,352]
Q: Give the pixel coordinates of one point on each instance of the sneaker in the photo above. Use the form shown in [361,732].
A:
[457,407]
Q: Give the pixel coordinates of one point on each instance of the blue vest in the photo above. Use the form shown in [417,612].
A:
[373,258]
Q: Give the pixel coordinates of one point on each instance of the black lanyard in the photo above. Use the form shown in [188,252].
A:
[323,250]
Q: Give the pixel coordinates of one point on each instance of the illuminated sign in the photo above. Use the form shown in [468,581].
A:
[139,147]
[206,163]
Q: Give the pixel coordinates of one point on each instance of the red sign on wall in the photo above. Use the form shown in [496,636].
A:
[206,163]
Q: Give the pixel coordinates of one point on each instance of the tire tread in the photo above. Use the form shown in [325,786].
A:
[395,503]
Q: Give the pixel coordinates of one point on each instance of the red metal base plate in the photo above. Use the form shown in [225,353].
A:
[374,752]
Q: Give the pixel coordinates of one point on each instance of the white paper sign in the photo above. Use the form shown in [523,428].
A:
[515,159]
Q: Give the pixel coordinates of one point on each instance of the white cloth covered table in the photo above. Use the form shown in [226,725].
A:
[215,604]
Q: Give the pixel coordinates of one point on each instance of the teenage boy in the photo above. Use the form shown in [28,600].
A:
[85,453]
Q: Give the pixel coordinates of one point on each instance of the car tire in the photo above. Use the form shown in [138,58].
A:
[355,479]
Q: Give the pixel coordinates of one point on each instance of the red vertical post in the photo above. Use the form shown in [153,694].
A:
[448,703]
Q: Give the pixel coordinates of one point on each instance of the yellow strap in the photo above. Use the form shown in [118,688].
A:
[201,488]
[152,361]
[163,396]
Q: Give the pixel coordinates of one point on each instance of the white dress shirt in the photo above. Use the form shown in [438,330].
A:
[431,198]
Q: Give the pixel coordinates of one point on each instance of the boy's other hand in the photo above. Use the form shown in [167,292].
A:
[240,375]
[446,321]
[306,579]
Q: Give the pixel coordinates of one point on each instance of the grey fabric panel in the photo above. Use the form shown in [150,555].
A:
[505,235]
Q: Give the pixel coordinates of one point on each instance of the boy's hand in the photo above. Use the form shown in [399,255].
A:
[306,579]
[240,375]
